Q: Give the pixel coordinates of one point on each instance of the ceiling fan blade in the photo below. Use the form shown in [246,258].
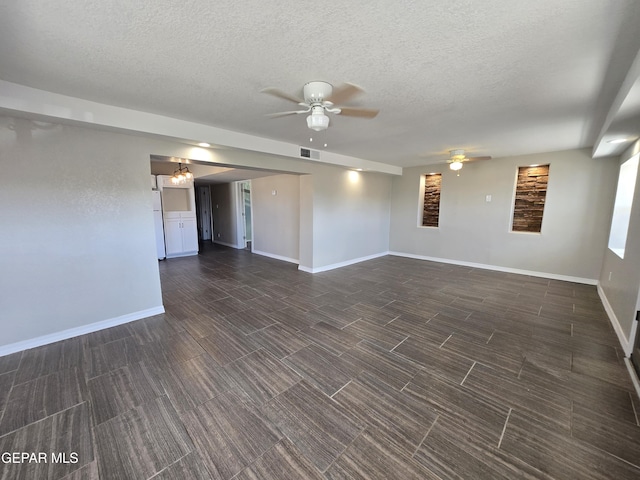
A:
[358,112]
[284,114]
[343,93]
[473,159]
[280,94]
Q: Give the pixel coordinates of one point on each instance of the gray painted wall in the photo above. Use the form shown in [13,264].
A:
[305,256]
[223,207]
[331,217]
[622,291]
[276,218]
[77,241]
[575,226]
[350,215]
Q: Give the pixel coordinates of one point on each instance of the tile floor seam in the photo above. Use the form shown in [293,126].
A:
[171,464]
[394,318]
[633,405]
[343,450]
[339,390]
[351,323]
[399,344]
[445,341]
[425,436]
[492,333]
[6,403]
[465,377]
[504,428]
[42,419]
[524,361]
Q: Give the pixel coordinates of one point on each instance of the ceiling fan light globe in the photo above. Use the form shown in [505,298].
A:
[317,122]
[455,165]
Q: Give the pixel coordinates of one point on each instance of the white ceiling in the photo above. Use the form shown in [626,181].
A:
[494,77]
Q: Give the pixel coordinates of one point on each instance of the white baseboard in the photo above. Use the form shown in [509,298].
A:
[497,268]
[634,376]
[229,245]
[277,257]
[74,332]
[185,254]
[626,344]
[341,264]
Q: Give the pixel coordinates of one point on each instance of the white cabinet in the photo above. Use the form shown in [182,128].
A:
[190,234]
[180,223]
[181,236]
[172,236]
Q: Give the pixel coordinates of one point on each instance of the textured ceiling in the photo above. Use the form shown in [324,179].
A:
[494,77]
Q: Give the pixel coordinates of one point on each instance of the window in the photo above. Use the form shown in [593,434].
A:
[622,206]
[431,200]
[531,191]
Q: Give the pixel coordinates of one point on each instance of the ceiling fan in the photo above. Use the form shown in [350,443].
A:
[321,98]
[457,157]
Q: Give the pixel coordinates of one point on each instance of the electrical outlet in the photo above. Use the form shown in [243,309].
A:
[610,275]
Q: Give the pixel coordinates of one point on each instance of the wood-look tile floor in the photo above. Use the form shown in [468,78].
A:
[391,368]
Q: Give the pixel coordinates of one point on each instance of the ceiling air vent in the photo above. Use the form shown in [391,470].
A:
[308,153]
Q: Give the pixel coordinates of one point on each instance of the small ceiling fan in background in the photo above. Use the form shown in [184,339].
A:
[457,157]
[321,98]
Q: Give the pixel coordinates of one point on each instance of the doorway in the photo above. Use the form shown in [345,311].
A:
[203,211]
[245,206]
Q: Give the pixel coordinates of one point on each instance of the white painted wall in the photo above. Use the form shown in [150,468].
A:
[276,218]
[622,291]
[77,241]
[574,230]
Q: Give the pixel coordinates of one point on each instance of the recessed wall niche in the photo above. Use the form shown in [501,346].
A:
[431,200]
[531,191]
[176,199]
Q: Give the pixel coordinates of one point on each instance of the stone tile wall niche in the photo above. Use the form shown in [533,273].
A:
[431,201]
[531,191]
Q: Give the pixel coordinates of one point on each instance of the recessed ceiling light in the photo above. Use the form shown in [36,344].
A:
[325,144]
[311,139]
[618,140]
[204,144]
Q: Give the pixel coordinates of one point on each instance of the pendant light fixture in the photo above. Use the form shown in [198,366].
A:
[181,175]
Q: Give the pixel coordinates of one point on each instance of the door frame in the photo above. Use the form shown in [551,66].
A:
[241,224]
